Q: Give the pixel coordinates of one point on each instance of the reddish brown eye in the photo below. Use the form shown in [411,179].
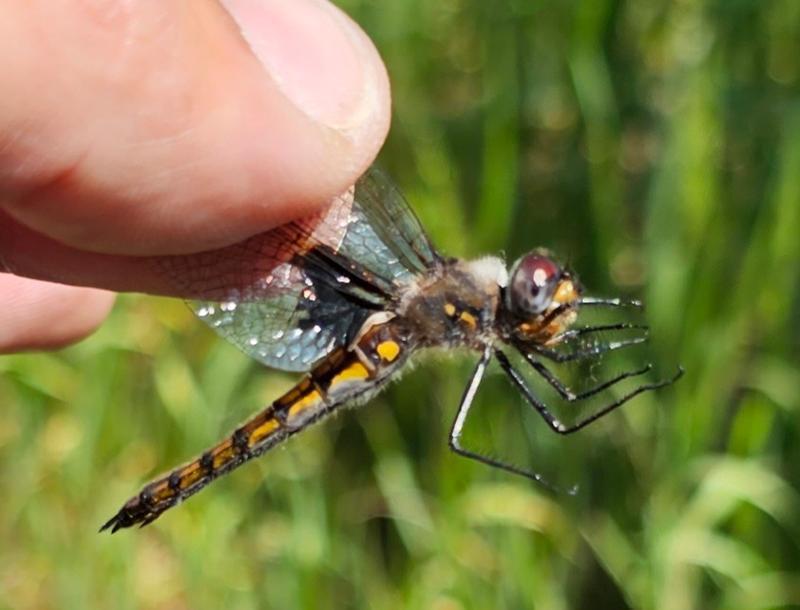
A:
[533,281]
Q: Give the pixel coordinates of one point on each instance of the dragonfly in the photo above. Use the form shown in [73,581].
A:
[347,296]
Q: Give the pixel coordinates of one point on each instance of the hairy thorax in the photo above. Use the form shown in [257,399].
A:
[455,304]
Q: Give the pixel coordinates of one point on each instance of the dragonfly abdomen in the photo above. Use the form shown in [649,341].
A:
[343,376]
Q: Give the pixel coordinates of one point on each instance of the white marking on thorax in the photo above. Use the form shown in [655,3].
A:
[379,317]
[488,270]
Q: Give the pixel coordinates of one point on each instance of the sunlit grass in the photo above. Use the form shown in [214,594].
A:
[656,147]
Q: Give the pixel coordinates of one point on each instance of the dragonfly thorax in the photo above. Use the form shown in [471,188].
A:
[456,304]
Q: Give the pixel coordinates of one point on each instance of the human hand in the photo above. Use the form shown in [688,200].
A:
[132,130]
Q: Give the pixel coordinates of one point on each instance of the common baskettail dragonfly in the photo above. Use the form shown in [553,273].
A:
[347,296]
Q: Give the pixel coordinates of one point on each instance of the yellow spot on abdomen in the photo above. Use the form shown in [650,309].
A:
[222,454]
[450,309]
[161,491]
[388,350]
[189,475]
[303,403]
[263,431]
[354,371]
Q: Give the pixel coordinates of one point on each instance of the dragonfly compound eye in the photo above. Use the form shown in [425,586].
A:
[534,279]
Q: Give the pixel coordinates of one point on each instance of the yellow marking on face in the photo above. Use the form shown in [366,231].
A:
[468,319]
[353,371]
[557,327]
[565,293]
[263,431]
[449,309]
[388,350]
[306,401]
[535,332]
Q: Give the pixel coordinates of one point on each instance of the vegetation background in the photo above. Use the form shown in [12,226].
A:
[653,144]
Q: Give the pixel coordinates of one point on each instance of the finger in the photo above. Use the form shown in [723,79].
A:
[38,315]
[25,252]
[165,126]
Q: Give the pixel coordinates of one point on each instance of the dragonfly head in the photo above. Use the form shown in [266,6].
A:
[542,296]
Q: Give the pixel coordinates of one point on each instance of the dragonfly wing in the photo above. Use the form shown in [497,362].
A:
[290,296]
[386,234]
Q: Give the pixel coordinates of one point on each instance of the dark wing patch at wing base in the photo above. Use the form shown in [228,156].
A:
[266,296]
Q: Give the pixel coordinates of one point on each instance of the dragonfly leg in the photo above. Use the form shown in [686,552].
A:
[458,425]
[569,395]
[551,420]
[586,352]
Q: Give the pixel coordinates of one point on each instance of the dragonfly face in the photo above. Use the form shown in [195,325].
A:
[346,297]
[541,300]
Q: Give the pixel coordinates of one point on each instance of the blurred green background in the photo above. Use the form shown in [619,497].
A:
[653,145]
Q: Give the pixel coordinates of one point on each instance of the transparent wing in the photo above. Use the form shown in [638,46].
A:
[289,296]
[385,235]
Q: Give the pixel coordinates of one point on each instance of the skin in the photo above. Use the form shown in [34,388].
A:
[158,127]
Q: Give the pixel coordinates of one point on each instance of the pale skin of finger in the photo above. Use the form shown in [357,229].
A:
[129,130]
[40,257]
[39,315]
[155,128]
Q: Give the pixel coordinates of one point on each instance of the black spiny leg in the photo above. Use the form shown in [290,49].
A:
[586,330]
[589,352]
[565,392]
[461,416]
[603,302]
[550,419]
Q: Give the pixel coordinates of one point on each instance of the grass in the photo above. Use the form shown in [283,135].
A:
[656,147]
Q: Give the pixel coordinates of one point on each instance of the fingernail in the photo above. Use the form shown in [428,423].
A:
[320,60]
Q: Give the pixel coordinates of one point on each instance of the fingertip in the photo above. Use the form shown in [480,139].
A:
[44,316]
[329,71]
[225,125]
[319,58]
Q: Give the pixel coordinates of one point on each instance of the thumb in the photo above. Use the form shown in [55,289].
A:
[162,126]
